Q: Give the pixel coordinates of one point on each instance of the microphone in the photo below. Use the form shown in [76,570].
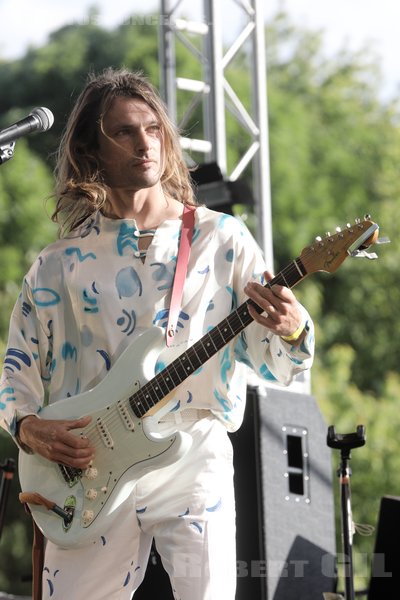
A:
[40,119]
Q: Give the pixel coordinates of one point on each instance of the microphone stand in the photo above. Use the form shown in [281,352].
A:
[345,443]
[8,470]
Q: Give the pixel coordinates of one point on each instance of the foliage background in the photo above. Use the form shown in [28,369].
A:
[335,150]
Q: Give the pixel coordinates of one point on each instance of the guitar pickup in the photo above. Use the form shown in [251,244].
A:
[104,433]
[125,415]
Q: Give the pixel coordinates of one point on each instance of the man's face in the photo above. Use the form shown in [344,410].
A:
[130,145]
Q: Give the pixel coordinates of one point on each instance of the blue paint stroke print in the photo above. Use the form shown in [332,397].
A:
[43,297]
[215,507]
[222,221]
[197,526]
[266,373]
[127,321]
[222,401]
[162,318]
[128,283]
[6,395]
[241,350]
[162,274]
[106,358]
[176,407]
[49,581]
[126,239]
[35,342]
[226,365]
[210,306]
[234,297]
[26,309]
[204,271]
[229,256]
[68,351]
[81,257]
[50,365]
[160,366]
[90,300]
[15,358]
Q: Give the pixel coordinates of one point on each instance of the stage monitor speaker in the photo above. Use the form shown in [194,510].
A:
[285,512]
[385,573]
[284,503]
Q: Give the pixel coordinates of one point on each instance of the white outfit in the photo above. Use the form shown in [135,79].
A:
[84,300]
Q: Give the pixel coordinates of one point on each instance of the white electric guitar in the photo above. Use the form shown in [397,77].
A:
[73,507]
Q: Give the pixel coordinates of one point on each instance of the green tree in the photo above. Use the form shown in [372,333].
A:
[334,151]
[25,184]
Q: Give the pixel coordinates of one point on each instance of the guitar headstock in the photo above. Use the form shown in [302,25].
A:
[328,253]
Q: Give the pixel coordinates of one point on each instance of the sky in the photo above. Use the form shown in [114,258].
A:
[350,23]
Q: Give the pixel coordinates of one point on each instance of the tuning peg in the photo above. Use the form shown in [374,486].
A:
[367,217]
[357,221]
[318,238]
[328,234]
[338,229]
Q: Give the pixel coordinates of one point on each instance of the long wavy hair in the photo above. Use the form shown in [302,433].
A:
[80,189]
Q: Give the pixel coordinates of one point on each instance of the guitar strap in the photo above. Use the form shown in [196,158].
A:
[180,271]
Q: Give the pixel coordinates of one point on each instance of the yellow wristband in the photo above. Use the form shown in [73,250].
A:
[296,334]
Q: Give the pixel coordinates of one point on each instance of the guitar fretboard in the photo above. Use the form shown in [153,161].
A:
[220,335]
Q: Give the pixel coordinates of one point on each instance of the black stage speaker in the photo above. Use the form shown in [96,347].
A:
[385,573]
[285,512]
[284,503]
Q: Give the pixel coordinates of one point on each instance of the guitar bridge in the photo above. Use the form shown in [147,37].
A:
[70,475]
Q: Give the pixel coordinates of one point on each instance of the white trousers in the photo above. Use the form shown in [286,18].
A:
[189,510]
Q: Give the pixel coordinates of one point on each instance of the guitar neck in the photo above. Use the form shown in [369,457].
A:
[187,363]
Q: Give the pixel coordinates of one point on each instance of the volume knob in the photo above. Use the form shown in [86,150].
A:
[91,472]
[91,494]
[87,516]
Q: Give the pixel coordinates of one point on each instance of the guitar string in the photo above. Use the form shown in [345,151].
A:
[292,271]
[110,420]
[114,417]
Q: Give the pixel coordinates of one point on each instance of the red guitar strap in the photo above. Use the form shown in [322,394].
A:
[180,271]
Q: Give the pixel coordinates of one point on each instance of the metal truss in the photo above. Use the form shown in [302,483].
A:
[207,38]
